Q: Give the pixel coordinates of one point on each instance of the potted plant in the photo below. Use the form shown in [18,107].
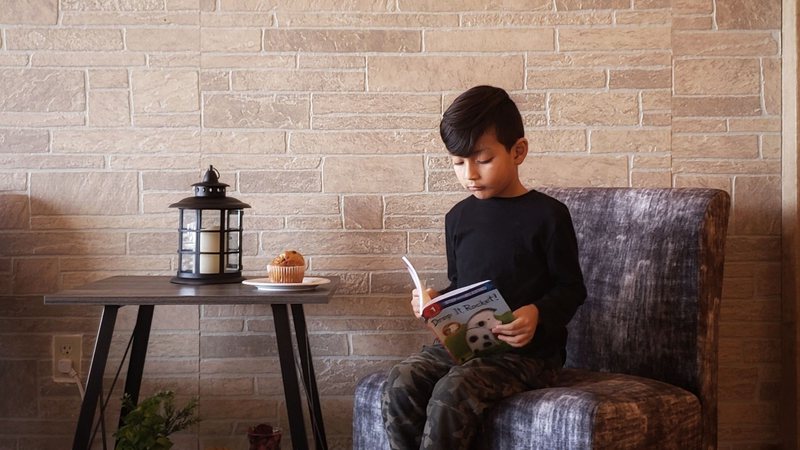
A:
[148,425]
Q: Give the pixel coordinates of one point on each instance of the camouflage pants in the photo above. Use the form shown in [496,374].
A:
[431,403]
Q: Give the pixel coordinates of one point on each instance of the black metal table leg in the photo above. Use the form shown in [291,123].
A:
[94,384]
[291,390]
[141,336]
[307,365]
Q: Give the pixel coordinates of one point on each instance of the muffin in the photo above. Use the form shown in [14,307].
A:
[288,267]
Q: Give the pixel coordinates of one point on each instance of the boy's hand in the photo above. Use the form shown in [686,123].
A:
[521,330]
[429,294]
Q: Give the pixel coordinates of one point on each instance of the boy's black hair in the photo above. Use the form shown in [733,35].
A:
[472,113]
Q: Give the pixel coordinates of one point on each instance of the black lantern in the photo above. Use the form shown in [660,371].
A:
[209,234]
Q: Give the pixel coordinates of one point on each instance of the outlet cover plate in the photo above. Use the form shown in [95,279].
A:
[67,346]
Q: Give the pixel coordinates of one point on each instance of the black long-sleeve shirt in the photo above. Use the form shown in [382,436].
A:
[527,246]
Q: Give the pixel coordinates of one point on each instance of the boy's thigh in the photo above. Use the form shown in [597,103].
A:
[430,364]
[496,377]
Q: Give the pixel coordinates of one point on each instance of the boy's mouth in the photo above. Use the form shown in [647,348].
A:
[475,188]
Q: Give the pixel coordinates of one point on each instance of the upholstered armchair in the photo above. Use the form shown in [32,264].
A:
[641,369]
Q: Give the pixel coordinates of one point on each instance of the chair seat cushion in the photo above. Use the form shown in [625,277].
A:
[584,410]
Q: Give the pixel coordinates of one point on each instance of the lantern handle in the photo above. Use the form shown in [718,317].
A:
[212,175]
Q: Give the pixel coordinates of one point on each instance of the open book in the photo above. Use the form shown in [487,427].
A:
[463,318]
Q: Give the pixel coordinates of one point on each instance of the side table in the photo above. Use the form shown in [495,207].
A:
[148,291]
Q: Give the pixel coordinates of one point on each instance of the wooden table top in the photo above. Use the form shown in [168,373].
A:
[157,290]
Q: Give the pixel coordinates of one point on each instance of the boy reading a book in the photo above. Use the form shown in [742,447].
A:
[522,240]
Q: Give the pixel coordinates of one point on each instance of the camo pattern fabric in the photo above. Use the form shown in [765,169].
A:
[429,402]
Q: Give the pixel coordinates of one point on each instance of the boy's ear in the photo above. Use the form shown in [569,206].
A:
[520,150]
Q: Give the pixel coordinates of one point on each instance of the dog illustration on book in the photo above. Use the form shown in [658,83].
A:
[479,330]
[475,337]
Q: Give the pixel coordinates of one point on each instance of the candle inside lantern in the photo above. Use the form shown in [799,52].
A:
[209,242]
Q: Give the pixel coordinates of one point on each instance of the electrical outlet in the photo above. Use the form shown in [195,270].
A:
[67,352]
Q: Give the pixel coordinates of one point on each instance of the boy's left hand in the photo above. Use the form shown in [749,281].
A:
[521,330]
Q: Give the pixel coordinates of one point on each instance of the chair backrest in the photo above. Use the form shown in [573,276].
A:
[652,261]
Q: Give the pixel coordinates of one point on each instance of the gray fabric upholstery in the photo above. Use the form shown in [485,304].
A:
[643,348]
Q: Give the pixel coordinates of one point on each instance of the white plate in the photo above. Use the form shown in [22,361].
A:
[263,284]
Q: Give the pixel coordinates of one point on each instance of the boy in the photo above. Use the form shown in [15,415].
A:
[522,240]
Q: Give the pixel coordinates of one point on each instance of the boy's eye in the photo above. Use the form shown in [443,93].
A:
[484,161]
[458,162]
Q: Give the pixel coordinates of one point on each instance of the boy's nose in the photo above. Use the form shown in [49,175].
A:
[472,171]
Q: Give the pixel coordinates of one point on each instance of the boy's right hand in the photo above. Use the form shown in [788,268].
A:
[426,298]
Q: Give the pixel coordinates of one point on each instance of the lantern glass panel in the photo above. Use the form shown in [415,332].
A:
[210,219]
[189,217]
[188,240]
[233,242]
[234,219]
[187,262]
[233,263]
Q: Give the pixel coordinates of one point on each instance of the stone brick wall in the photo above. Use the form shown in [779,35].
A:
[323,115]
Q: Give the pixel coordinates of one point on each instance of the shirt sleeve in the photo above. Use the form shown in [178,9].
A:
[452,269]
[559,304]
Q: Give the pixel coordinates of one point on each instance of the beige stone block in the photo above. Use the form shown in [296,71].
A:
[645,161]
[367,103]
[372,122]
[657,17]
[35,276]
[169,181]
[492,40]
[443,73]
[280,181]
[636,140]
[569,5]
[717,76]
[565,79]
[716,106]
[525,101]
[653,4]
[262,162]
[473,5]
[108,108]
[129,263]
[307,80]
[24,141]
[314,223]
[564,171]
[757,205]
[367,142]
[166,220]
[178,5]
[423,204]
[222,61]
[63,243]
[385,344]
[84,193]
[698,125]
[692,23]
[727,167]
[313,19]
[656,119]
[745,15]
[572,39]
[157,91]
[126,141]
[594,109]
[51,162]
[657,100]
[13,59]
[602,59]
[41,90]
[378,174]
[755,124]
[715,146]
[235,20]
[108,78]
[63,39]
[231,40]
[40,12]
[651,179]
[168,120]
[188,60]
[16,212]
[363,212]
[304,5]
[215,80]
[772,85]
[17,181]
[87,59]
[771,146]
[144,162]
[264,142]
[256,111]
[151,243]
[693,6]
[290,204]
[112,5]
[527,19]
[336,242]
[129,18]
[425,242]
[724,43]
[341,41]
[163,39]
[443,181]
[640,79]
[554,141]
[315,61]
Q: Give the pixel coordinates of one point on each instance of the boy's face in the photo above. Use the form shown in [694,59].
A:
[491,170]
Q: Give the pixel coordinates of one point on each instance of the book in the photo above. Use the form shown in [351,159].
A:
[462,319]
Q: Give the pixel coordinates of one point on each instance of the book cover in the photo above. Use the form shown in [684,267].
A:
[462,319]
